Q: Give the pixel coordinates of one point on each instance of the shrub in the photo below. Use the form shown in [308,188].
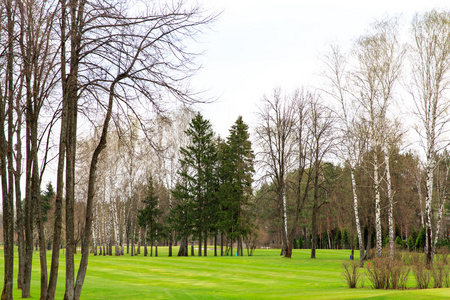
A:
[421,274]
[447,278]
[399,274]
[398,241]
[378,274]
[438,274]
[416,258]
[387,274]
[442,254]
[351,273]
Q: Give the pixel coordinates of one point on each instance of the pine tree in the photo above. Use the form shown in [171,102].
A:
[46,198]
[148,216]
[241,158]
[196,190]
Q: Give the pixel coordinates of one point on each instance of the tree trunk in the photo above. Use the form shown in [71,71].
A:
[221,244]
[369,243]
[200,241]
[377,204]
[429,196]
[358,224]
[17,176]
[284,232]
[391,204]
[183,251]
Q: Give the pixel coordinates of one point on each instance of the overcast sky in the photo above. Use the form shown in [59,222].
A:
[257,45]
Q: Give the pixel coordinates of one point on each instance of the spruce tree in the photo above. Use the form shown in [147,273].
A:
[237,166]
[196,190]
[148,216]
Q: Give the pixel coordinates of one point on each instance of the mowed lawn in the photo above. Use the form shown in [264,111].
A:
[265,275]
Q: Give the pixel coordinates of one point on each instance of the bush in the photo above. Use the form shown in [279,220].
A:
[442,254]
[300,243]
[447,278]
[399,275]
[421,274]
[351,273]
[378,274]
[387,274]
[439,272]
[398,240]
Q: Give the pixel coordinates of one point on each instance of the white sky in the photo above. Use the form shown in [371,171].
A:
[257,45]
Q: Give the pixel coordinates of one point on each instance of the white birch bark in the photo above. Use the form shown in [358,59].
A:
[391,203]
[376,182]
[116,227]
[285,238]
[428,200]
[419,192]
[358,224]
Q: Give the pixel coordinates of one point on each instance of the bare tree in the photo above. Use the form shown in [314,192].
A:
[429,89]
[350,143]
[379,57]
[320,127]
[275,136]
[149,58]
[6,143]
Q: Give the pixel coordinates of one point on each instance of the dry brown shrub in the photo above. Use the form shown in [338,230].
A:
[351,273]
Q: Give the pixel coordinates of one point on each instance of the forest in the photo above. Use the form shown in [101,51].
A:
[104,152]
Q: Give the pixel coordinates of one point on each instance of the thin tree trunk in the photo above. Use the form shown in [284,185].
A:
[377,204]
[145,242]
[57,228]
[221,244]
[17,176]
[358,224]
[429,197]
[391,204]
[7,177]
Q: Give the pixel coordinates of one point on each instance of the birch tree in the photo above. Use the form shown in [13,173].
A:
[430,56]
[350,142]
[379,58]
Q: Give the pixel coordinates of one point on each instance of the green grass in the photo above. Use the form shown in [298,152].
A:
[263,276]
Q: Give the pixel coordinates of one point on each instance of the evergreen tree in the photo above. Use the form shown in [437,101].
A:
[236,172]
[148,216]
[46,198]
[345,239]
[410,243]
[196,190]
[337,238]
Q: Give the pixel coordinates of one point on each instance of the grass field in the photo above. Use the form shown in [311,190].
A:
[265,275]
